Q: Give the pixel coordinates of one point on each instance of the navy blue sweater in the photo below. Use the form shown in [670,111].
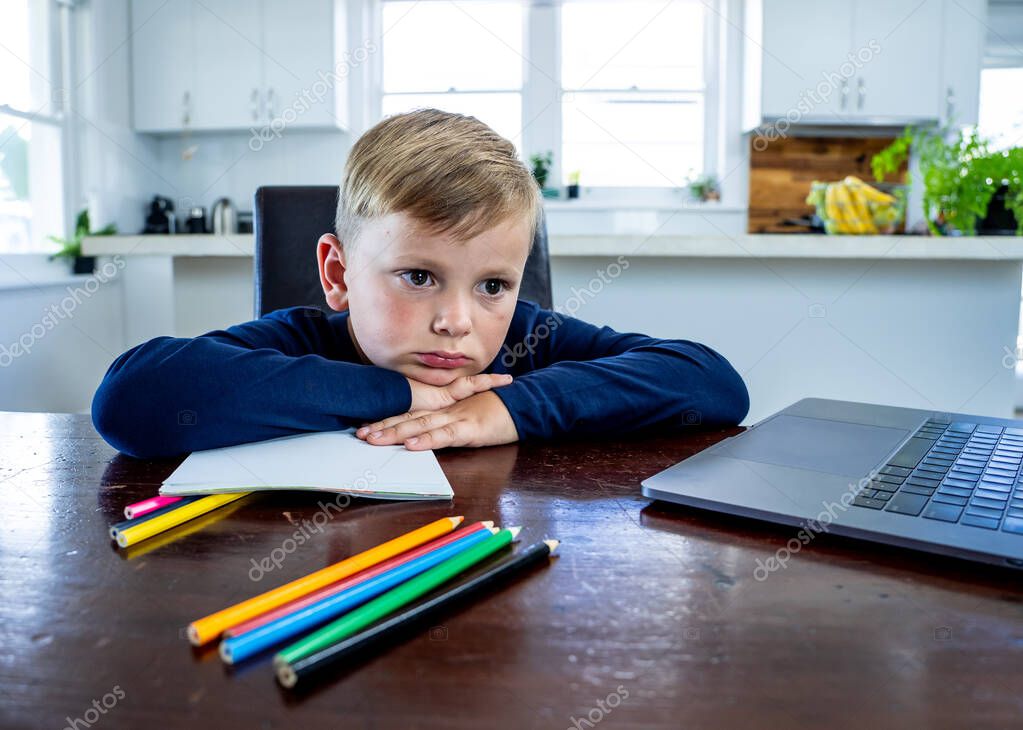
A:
[297,370]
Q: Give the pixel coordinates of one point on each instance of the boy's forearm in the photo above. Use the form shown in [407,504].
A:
[671,384]
[172,396]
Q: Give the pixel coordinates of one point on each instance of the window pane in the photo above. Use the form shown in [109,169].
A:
[431,46]
[632,139]
[618,45]
[1001,106]
[502,112]
[26,70]
[31,198]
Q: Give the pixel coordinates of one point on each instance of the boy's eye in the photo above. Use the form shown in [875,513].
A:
[493,287]
[417,277]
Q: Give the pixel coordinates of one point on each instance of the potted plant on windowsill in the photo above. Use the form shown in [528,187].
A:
[541,169]
[961,176]
[71,248]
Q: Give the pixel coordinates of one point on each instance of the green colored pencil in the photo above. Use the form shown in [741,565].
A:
[394,599]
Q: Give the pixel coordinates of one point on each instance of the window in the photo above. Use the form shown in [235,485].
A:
[632,77]
[31,126]
[460,57]
[1001,106]
[618,90]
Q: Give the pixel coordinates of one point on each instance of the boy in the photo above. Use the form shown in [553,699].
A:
[430,347]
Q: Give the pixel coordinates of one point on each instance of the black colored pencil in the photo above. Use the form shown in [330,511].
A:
[291,674]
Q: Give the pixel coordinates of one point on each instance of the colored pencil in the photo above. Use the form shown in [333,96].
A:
[353,622]
[359,577]
[239,648]
[176,515]
[148,505]
[208,628]
[125,524]
[289,674]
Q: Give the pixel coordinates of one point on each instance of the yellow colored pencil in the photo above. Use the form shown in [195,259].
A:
[145,530]
[208,628]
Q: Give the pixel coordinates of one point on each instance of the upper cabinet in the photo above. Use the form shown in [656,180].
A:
[856,62]
[238,64]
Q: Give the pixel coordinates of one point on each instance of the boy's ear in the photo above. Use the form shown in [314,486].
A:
[330,258]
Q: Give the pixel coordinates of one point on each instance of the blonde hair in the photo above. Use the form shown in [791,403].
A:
[449,172]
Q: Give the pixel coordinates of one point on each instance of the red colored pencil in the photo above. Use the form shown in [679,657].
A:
[341,585]
[148,505]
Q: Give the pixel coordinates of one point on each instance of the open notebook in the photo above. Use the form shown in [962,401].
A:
[330,461]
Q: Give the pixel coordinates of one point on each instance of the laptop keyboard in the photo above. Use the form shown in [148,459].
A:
[959,472]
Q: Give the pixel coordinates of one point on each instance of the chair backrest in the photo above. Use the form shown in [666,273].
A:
[288,220]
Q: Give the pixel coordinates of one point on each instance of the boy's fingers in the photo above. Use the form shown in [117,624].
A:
[369,428]
[411,427]
[472,384]
[450,434]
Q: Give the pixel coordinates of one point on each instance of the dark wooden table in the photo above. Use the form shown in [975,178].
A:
[651,617]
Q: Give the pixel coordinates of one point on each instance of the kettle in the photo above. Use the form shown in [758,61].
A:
[224,217]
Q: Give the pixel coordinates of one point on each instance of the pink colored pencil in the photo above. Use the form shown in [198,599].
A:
[148,505]
[341,585]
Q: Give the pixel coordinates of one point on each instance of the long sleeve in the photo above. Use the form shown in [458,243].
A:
[279,375]
[574,377]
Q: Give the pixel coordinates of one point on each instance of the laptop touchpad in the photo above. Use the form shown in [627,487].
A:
[835,447]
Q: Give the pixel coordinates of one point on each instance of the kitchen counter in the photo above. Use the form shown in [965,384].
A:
[760,246]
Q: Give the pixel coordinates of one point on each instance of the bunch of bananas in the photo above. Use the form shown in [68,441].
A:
[852,206]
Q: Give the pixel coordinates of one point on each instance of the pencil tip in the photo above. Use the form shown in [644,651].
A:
[487,523]
[494,530]
[515,531]
[456,520]
[553,545]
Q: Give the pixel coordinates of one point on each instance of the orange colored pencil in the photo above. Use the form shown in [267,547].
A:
[360,577]
[208,628]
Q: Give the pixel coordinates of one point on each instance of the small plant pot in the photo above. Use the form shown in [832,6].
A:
[83,265]
[572,191]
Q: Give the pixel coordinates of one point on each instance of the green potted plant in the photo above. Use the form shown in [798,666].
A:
[541,169]
[71,248]
[704,188]
[572,191]
[960,176]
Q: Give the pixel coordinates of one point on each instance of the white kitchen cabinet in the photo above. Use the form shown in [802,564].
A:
[163,56]
[901,79]
[861,62]
[962,55]
[238,65]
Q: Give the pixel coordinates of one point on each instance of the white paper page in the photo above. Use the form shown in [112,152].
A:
[333,461]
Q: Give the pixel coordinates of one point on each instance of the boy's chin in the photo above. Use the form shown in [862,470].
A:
[434,376]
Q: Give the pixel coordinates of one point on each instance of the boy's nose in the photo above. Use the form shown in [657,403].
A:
[453,319]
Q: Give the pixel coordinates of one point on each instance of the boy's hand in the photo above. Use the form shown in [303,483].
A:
[479,420]
[434,397]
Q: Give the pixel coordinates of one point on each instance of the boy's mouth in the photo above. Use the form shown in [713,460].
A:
[443,359]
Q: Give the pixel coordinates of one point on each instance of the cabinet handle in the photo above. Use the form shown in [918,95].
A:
[254,101]
[861,92]
[186,109]
[270,103]
[950,103]
[845,93]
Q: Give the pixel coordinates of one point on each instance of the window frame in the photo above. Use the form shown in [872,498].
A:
[541,93]
[59,38]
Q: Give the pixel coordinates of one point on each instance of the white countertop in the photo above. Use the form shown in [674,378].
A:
[759,246]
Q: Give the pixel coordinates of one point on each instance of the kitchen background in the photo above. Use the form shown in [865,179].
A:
[678,143]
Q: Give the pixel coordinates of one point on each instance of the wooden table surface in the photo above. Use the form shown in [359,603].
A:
[651,617]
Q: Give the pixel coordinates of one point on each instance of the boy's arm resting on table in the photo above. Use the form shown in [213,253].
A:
[254,381]
[585,379]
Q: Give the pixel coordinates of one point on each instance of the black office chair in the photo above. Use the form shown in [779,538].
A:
[288,221]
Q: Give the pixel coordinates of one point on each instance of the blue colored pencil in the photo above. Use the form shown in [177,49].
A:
[237,648]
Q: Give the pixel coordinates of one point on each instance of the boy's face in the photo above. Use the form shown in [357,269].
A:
[422,304]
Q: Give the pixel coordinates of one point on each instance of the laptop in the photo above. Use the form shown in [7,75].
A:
[946,483]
